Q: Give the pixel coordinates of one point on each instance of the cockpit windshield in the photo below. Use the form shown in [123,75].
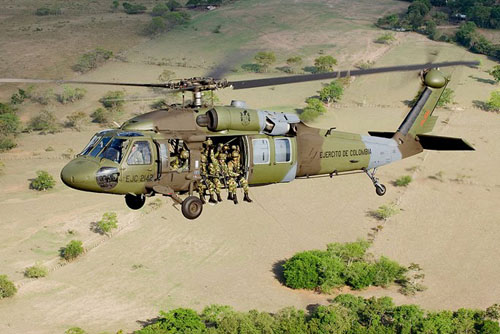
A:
[100,145]
[114,151]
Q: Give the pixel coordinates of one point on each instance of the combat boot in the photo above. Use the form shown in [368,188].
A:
[235,199]
[230,196]
[246,198]
[219,198]
[202,198]
[212,199]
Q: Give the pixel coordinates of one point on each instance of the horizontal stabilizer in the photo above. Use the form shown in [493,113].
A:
[439,143]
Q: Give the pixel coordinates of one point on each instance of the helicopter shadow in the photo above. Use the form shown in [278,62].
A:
[482,80]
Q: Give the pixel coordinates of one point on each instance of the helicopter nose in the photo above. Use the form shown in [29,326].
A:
[80,173]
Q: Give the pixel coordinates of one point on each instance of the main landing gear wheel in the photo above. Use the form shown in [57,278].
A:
[379,187]
[192,207]
[135,202]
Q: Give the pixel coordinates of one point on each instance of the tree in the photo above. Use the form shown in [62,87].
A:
[332,92]
[173,5]
[324,63]
[72,250]
[43,181]
[156,26]
[466,33]
[7,288]
[115,4]
[132,8]
[265,59]
[301,272]
[160,9]
[113,100]
[495,72]
[313,109]
[181,320]
[293,63]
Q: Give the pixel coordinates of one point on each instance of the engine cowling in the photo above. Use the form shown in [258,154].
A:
[266,122]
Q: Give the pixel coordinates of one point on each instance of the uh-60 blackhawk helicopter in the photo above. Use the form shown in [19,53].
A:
[274,147]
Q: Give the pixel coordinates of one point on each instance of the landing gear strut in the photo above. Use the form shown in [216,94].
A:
[379,187]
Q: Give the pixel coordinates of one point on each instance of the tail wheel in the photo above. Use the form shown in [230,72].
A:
[192,207]
[135,202]
[380,189]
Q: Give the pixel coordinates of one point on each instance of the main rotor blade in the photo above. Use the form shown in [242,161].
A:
[132,84]
[244,84]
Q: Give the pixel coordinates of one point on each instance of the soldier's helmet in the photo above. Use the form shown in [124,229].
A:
[235,154]
[184,154]
[208,142]
[233,148]
[226,148]
[203,158]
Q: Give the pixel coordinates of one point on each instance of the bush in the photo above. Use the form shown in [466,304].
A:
[72,250]
[493,103]
[107,223]
[45,122]
[36,271]
[313,109]
[403,181]
[7,288]
[387,38]
[341,264]
[75,120]
[9,124]
[113,100]
[7,143]
[91,60]
[43,181]
[332,92]
[155,27]
[75,330]
[101,116]
[180,320]
[21,95]
[495,73]
[70,94]
[160,9]
[324,64]
[44,11]
[133,8]
[385,211]
[173,5]
[265,59]
[445,98]
[42,97]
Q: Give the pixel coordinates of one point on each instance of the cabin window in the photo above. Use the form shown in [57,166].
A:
[114,150]
[163,156]
[283,148]
[140,154]
[260,151]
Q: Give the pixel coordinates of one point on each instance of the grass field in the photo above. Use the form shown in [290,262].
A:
[158,260]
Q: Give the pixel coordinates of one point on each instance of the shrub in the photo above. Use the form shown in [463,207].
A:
[132,8]
[75,120]
[403,181]
[44,11]
[75,330]
[107,223]
[181,320]
[313,109]
[445,98]
[45,122]
[36,271]
[21,95]
[173,5]
[265,59]
[7,288]
[332,92]
[387,38]
[70,94]
[6,108]
[324,64]
[9,124]
[6,144]
[155,27]
[101,116]
[173,19]
[301,271]
[385,211]
[160,9]
[43,181]
[42,97]
[91,60]
[495,73]
[493,103]
[113,100]
[72,250]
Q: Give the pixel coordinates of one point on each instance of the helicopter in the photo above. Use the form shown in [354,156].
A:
[274,147]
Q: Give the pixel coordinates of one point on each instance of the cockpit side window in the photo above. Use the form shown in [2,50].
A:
[90,145]
[140,154]
[114,151]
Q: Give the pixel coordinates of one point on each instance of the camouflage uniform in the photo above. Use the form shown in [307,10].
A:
[202,184]
[215,184]
[234,167]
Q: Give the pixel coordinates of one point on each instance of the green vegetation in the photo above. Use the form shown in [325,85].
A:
[70,94]
[313,109]
[160,9]
[196,3]
[133,8]
[75,330]
[91,60]
[340,265]
[7,288]
[72,250]
[75,120]
[324,64]
[166,75]
[387,38]
[108,222]
[45,122]
[115,4]
[293,64]
[403,181]
[36,271]
[264,60]
[102,116]
[44,11]
[113,100]
[43,181]
[21,95]
[445,98]
[332,92]
[9,126]
[346,314]
[166,21]
[42,97]
[385,211]
[493,103]
[495,73]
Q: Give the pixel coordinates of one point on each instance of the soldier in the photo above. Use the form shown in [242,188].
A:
[215,184]
[183,160]
[202,184]
[235,168]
